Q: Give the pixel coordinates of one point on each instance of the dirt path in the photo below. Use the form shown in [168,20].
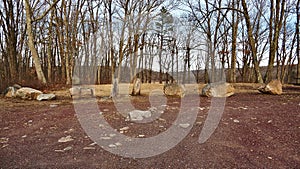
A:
[255,131]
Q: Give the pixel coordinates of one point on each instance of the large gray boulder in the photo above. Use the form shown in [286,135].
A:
[28,93]
[218,90]
[274,87]
[174,89]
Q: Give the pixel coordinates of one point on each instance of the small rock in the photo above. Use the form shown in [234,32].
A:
[92,144]
[89,148]
[141,136]
[112,146]
[118,144]
[124,128]
[112,135]
[161,119]
[42,97]
[105,110]
[24,136]
[270,158]
[65,139]
[101,125]
[199,122]
[53,105]
[201,108]
[184,125]
[4,140]
[236,121]
[67,148]
[138,115]
[105,138]
[270,121]
[5,145]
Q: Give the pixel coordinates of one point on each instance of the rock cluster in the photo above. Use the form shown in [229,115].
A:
[27,93]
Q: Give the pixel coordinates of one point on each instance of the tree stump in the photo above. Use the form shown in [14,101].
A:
[136,90]
[115,88]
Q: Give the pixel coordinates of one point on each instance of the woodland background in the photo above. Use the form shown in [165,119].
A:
[47,42]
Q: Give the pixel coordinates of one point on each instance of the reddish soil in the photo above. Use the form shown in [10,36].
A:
[256,131]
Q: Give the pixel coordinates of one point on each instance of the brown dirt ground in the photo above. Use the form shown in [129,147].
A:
[267,134]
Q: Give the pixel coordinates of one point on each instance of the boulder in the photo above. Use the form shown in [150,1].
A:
[274,87]
[45,97]
[136,90]
[218,90]
[28,93]
[138,115]
[11,91]
[174,89]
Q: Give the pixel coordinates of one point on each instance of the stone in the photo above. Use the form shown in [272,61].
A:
[138,115]
[136,90]
[218,90]
[46,97]
[124,128]
[112,146]
[274,87]
[10,92]
[184,125]
[65,139]
[28,93]
[67,148]
[89,148]
[174,89]
[236,121]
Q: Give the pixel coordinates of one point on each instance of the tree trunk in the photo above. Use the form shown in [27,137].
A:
[274,36]
[36,60]
[259,78]
[235,20]
[298,42]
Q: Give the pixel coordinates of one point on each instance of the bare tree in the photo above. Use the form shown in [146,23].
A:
[277,10]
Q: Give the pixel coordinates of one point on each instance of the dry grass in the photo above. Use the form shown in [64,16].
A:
[147,89]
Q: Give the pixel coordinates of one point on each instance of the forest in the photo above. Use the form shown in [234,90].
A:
[46,42]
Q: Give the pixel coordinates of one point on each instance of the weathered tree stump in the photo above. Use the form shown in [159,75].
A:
[136,90]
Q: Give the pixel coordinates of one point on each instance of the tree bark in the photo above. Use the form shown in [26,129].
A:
[259,78]
[235,21]
[274,34]
[36,59]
